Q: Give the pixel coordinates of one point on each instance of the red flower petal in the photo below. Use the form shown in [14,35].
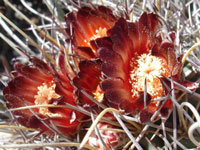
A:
[145,115]
[111,83]
[189,85]
[138,104]
[116,96]
[23,88]
[88,80]
[112,70]
[120,39]
[63,66]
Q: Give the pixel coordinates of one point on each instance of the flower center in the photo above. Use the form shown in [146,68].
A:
[45,93]
[98,94]
[150,68]
[101,32]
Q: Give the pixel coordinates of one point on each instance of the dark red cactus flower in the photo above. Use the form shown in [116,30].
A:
[38,84]
[87,25]
[112,139]
[88,79]
[131,54]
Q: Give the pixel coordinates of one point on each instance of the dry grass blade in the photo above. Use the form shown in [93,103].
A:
[16,127]
[64,144]
[98,134]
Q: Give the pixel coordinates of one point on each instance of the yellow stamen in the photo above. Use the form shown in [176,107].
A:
[44,95]
[98,94]
[101,32]
[151,68]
